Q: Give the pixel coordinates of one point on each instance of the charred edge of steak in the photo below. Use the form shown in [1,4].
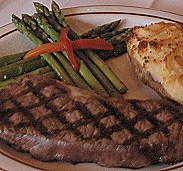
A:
[109,131]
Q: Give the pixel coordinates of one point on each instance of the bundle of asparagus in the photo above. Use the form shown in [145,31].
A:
[45,26]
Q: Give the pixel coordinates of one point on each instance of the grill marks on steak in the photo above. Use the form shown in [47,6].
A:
[74,115]
[74,125]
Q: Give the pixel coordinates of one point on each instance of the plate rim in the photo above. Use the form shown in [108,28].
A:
[94,9]
[124,6]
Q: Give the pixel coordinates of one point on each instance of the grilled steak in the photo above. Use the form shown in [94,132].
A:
[156,52]
[55,121]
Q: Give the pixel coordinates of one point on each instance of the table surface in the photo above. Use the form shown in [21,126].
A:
[17,7]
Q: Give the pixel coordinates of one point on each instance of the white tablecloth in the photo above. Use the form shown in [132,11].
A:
[7,7]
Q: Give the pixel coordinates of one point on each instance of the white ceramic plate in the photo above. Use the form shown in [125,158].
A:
[82,19]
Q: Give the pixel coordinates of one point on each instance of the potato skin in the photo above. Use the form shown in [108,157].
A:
[156,53]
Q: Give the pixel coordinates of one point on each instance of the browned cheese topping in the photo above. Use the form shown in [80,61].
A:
[159,50]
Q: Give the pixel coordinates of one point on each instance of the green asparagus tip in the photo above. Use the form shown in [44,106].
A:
[15,18]
[40,8]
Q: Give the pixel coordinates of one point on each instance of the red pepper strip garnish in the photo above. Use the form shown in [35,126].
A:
[96,43]
[45,48]
[68,47]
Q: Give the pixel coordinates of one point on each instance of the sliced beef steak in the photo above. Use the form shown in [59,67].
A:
[55,121]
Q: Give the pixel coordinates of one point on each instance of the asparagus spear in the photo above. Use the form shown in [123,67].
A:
[100,30]
[77,79]
[99,75]
[91,80]
[119,85]
[108,35]
[58,14]
[21,67]
[119,44]
[5,60]
[118,40]
[47,71]
[119,49]
[120,37]
[49,58]
[31,23]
